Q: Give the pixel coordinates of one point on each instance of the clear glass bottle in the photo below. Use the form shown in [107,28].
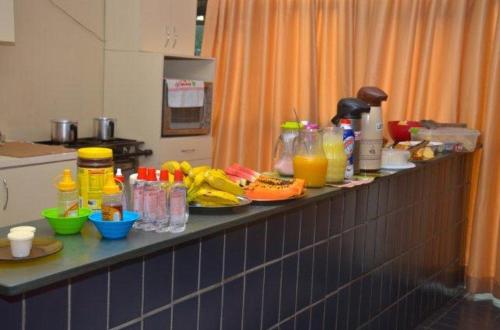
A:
[138,196]
[163,203]
[309,162]
[67,196]
[112,207]
[151,191]
[179,209]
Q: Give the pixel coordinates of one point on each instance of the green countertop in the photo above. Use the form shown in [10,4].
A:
[87,252]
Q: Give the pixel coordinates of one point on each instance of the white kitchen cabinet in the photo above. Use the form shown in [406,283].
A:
[133,93]
[161,26]
[25,191]
[7,21]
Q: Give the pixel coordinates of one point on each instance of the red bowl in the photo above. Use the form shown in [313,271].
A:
[400,129]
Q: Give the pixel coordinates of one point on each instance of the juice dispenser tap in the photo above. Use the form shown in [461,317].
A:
[370,150]
[352,108]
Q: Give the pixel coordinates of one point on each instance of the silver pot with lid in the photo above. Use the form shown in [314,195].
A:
[64,131]
[104,128]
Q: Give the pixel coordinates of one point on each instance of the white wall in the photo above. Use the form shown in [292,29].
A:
[54,69]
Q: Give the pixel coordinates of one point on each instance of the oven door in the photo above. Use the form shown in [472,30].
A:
[187,121]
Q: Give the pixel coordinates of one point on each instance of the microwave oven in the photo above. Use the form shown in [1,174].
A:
[187,121]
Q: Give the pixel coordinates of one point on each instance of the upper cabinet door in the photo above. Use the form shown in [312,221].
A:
[7,21]
[160,26]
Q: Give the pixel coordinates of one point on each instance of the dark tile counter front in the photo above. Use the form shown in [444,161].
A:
[380,256]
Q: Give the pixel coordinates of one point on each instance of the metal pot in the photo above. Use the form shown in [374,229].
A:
[64,131]
[104,128]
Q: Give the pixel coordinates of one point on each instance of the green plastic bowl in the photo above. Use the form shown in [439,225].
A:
[66,226]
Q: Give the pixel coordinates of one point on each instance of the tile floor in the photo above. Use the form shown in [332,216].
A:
[464,314]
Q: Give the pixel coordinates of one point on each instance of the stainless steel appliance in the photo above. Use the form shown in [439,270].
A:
[104,128]
[63,131]
[187,121]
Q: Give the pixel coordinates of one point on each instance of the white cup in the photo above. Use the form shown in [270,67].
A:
[20,243]
[30,229]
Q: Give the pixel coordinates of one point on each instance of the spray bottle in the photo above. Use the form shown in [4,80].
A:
[67,196]
[370,150]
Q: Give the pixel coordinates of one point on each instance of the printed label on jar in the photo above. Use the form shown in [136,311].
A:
[112,212]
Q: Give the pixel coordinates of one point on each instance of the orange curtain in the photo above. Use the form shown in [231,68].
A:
[437,59]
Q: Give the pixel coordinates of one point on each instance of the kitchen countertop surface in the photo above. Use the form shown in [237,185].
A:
[87,252]
[8,162]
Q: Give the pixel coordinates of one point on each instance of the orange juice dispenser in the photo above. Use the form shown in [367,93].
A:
[283,149]
[309,162]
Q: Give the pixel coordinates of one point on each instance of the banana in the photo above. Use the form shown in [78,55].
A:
[171,166]
[222,183]
[187,181]
[185,167]
[195,170]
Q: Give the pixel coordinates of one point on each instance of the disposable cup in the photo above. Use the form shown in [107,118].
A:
[30,229]
[20,243]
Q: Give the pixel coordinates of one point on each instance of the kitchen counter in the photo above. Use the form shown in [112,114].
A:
[58,156]
[357,256]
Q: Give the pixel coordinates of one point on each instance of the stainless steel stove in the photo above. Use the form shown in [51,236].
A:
[126,152]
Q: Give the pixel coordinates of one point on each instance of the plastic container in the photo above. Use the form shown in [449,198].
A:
[30,229]
[94,166]
[67,196]
[20,243]
[112,201]
[179,209]
[114,229]
[152,190]
[454,138]
[163,209]
[66,226]
[394,157]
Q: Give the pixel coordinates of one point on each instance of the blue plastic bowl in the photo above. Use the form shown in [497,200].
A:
[114,229]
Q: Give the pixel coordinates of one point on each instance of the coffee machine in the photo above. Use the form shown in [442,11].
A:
[371,143]
[352,108]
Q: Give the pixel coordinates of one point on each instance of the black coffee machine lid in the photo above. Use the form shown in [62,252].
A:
[350,108]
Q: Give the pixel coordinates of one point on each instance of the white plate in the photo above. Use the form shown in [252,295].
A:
[398,167]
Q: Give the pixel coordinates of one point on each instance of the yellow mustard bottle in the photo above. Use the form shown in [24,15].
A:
[67,196]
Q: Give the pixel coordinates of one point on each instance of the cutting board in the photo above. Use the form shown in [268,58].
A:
[27,149]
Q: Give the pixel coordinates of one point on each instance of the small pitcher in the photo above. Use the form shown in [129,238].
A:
[309,162]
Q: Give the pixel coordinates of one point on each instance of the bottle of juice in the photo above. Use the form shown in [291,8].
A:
[112,207]
[67,196]
[309,162]
[333,145]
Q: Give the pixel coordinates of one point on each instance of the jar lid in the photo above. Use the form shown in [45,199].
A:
[66,183]
[20,235]
[23,228]
[95,153]
[110,187]
[291,125]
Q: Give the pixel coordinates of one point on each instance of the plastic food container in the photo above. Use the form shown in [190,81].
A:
[20,243]
[394,157]
[454,138]
[94,166]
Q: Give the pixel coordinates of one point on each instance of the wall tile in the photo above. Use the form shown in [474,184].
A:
[11,312]
[307,225]
[274,238]
[386,290]
[292,228]
[233,303]
[234,252]
[383,196]
[331,312]
[253,299]
[47,308]
[256,238]
[303,319]
[288,325]
[185,314]
[354,304]
[211,260]
[89,290]
[364,306]
[359,251]
[322,220]
[319,272]
[361,204]
[210,309]
[134,326]
[186,265]
[369,261]
[288,286]
[160,320]
[372,207]
[271,295]
[158,280]
[336,214]
[376,295]
[349,217]
[333,264]
[343,309]
[304,283]
[346,257]
[402,317]
[126,292]
[317,315]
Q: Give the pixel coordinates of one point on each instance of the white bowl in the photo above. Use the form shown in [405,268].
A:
[20,243]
